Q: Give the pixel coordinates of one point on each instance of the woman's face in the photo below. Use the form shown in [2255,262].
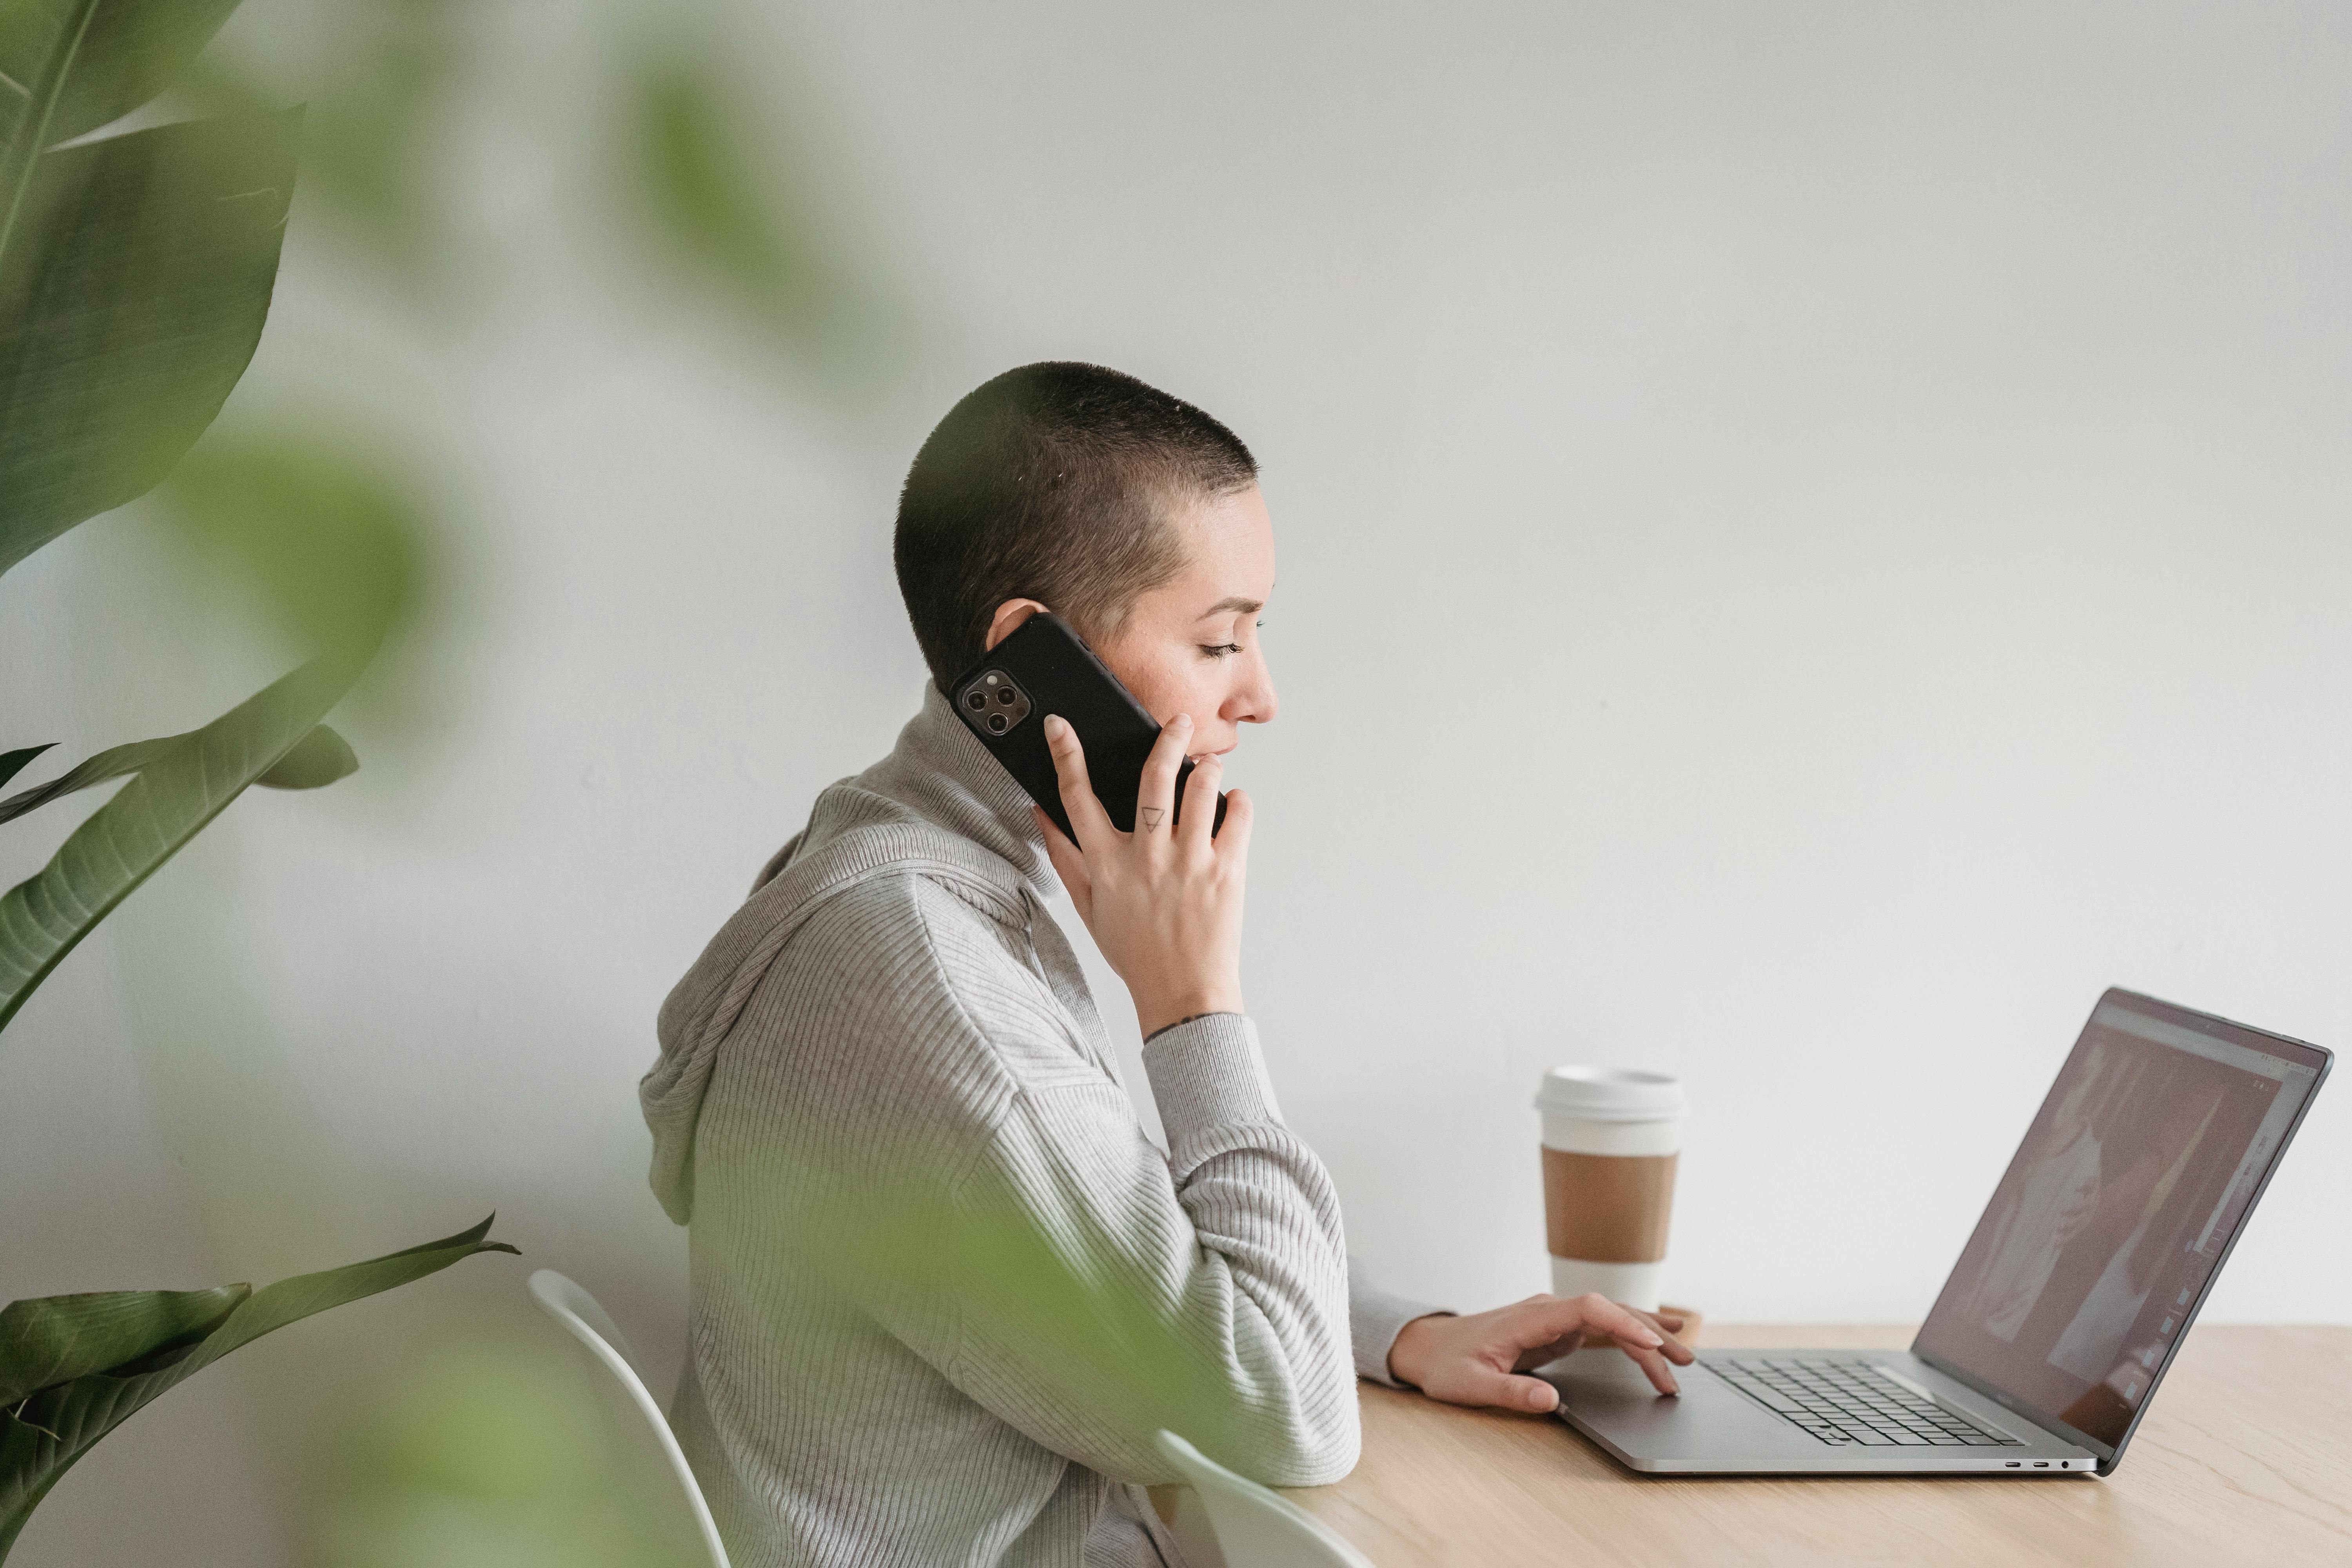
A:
[1191,645]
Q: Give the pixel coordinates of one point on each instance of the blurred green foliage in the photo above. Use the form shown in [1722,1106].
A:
[328,542]
[884,1228]
[379,116]
[495,1453]
[381,111]
[735,203]
[107,1356]
[136,273]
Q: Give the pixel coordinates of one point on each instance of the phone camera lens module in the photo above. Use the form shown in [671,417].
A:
[996,722]
[1007,697]
[977,700]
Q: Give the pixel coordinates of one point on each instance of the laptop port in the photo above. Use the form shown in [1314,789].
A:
[2041,1464]
[2015,1463]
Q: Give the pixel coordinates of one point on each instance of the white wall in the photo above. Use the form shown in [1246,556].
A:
[1814,540]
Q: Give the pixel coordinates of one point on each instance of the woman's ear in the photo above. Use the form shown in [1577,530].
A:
[1010,616]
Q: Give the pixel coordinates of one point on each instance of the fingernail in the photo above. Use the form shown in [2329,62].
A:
[1182,721]
[1055,726]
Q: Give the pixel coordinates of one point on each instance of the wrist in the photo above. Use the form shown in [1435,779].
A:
[1409,1353]
[1166,1013]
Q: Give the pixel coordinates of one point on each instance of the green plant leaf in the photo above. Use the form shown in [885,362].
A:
[121,843]
[54,1426]
[131,300]
[55,1339]
[38,41]
[110,763]
[13,762]
[85,62]
[318,758]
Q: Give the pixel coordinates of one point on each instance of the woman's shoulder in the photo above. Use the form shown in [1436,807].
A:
[937,974]
[910,930]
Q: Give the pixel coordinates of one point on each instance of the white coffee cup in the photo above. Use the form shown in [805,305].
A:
[1610,1139]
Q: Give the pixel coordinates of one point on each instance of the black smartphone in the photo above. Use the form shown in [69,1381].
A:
[1041,667]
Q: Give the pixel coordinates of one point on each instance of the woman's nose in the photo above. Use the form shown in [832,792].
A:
[1255,701]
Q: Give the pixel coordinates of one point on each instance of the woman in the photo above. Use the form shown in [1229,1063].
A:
[944,1290]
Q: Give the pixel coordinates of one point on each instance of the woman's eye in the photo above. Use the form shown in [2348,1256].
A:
[1221,650]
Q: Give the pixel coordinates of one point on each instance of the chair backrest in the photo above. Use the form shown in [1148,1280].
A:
[1256,1528]
[589,1323]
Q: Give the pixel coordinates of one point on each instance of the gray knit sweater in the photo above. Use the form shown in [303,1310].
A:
[944,1288]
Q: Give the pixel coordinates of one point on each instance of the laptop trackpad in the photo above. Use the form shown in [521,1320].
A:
[1609,1397]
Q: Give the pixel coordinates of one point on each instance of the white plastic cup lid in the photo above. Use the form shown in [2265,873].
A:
[1610,1094]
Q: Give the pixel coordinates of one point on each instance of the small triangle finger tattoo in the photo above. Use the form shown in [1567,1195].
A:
[1153,814]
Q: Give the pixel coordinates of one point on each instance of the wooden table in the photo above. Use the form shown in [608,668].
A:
[2245,1457]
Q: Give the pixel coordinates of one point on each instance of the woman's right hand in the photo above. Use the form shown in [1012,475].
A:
[1164,902]
[1485,1359]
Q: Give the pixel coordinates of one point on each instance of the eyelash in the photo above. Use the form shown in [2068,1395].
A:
[1225,649]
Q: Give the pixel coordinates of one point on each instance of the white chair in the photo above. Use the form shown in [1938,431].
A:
[577,1310]
[1249,1526]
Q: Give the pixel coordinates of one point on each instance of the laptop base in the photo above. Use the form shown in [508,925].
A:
[1712,1429]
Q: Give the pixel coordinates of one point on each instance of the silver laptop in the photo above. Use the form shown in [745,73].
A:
[2066,1306]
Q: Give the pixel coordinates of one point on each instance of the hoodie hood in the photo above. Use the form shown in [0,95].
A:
[938,804]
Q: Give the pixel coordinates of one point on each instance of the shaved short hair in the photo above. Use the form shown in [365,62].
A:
[1052,482]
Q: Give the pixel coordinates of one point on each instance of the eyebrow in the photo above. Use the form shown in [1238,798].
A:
[1246,606]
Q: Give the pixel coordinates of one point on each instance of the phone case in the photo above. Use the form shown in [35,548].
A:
[1044,668]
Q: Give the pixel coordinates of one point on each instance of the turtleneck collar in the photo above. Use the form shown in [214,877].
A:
[939,771]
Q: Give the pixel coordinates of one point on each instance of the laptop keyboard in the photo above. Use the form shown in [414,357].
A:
[1849,1402]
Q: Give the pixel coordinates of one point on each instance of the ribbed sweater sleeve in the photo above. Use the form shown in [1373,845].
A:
[1375,1318]
[1123,1291]
[982,1182]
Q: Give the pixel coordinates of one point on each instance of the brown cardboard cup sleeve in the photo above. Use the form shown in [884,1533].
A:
[1608,1208]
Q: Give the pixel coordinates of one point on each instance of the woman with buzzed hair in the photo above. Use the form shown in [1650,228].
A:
[944,1288]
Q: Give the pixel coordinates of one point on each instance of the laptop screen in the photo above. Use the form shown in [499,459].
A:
[2113,1218]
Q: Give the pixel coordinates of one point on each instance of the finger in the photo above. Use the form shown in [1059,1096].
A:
[1155,793]
[1232,841]
[1667,1324]
[1605,1316]
[1477,1384]
[1540,1319]
[1086,813]
[1544,1355]
[1532,1394]
[1069,862]
[1647,1357]
[1200,802]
